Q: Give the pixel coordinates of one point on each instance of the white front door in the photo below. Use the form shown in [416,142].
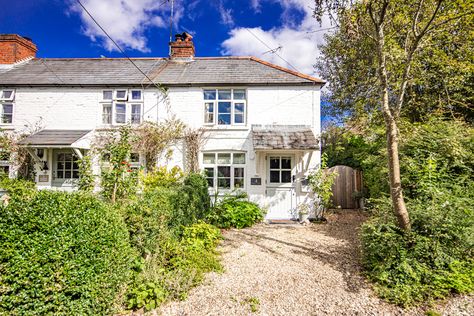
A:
[280,191]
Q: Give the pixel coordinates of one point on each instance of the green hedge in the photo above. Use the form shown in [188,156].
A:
[62,254]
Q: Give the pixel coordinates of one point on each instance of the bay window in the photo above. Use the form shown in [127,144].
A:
[225,170]
[224,106]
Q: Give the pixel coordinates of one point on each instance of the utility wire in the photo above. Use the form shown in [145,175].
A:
[118,46]
[261,41]
[322,30]
[50,70]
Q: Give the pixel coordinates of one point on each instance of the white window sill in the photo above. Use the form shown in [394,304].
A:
[7,126]
[226,127]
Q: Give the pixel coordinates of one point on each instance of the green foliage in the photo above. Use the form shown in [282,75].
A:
[321,182]
[201,233]
[175,266]
[435,259]
[62,254]
[18,188]
[235,211]
[162,177]
[119,180]
[86,178]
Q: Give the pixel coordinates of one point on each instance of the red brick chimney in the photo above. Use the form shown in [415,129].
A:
[182,47]
[15,48]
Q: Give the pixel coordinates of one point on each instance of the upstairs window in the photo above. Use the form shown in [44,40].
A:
[7,97]
[121,106]
[225,106]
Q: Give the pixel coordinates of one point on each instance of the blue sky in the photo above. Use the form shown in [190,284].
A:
[60,28]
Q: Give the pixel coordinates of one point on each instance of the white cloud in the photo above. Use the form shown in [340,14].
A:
[226,15]
[298,39]
[124,20]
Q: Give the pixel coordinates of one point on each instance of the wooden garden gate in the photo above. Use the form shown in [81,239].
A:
[346,184]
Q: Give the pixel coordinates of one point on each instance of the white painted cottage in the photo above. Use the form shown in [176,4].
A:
[262,121]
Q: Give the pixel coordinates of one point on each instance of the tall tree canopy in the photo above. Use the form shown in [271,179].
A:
[390,58]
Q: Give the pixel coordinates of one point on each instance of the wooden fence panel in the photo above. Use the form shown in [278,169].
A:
[347,182]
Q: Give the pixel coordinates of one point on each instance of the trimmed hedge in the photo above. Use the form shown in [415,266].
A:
[62,254]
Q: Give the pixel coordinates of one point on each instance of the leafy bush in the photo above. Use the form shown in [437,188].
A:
[175,266]
[235,211]
[61,254]
[18,188]
[435,259]
[162,177]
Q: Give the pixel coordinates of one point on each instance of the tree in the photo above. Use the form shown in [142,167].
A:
[393,35]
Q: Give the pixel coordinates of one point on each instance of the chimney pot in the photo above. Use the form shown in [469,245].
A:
[182,47]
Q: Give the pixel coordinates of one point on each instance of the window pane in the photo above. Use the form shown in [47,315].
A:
[60,174]
[223,183]
[75,165]
[60,165]
[223,158]
[209,94]
[120,114]
[285,163]
[209,112]
[209,159]
[209,176]
[136,95]
[274,176]
[224,119]
[239,158]
[7,95]
[239,107]
[75,174]
[286,176]
[107,114]
[224,107]
[238,183]
[136,113]
[223,171]
[239,119]
[121,94]
[239,94]
[274,163]
[224,94]
[67,174]
[134,157]
[7,113]
[107,95]
[68,164]
[238,172]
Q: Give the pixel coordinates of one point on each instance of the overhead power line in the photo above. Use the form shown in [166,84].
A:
[118,46]
[261,41]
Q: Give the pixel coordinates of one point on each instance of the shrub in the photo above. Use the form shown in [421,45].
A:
[435,259]
[175,266]
[162,177]
[18,188]
[235,211]
[62,254]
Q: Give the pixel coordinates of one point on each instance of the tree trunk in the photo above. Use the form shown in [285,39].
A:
[391,130]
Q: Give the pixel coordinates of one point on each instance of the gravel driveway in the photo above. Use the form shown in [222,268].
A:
[294,270]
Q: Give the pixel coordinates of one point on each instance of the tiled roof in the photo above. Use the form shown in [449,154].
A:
[54,137]
[119,71]
[283,137]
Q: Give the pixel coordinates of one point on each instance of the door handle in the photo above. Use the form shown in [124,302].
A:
[293,178]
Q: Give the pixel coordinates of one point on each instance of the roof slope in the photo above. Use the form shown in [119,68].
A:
[283,137]
[54,137]
[120,71]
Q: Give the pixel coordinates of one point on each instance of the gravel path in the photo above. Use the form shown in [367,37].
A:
[295,270]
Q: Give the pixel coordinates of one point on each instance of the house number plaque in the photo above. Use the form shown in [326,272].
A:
[43,178]
[256,181]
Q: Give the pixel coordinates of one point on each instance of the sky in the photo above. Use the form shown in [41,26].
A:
[280,31]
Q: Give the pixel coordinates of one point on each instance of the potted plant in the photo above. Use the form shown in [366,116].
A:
[303,212]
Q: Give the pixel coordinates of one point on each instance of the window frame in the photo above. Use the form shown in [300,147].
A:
[136,100]
[116,98]
[111,106]
[107,100]
[11,98]
[233,101]
[233,166]
[2,113]
[140,118]
[280,169]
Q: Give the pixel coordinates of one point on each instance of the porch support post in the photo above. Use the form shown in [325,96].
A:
[33,154]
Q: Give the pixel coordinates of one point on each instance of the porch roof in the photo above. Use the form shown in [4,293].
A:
[295,137]
[54,138]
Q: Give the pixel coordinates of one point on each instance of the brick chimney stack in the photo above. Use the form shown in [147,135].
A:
[182,47]
[15,48]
